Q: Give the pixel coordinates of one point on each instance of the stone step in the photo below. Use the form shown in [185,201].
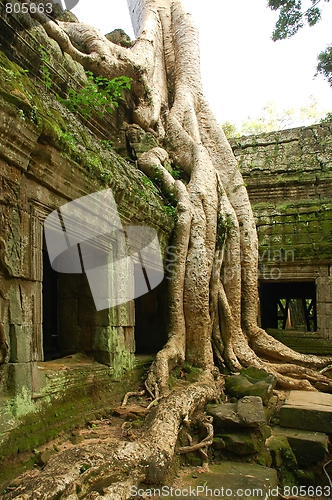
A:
[307,410]
[229,481]
[308,447]
[247,412]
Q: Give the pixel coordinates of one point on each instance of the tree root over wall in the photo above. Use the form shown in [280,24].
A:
[213,320]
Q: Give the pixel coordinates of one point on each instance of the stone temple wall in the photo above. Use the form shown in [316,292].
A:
[289,179]
[48,157]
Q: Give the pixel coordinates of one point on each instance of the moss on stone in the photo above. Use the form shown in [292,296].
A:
[303,228]
[40,420]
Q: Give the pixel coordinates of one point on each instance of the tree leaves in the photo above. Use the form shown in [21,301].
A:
[99,94]
[292,18]
[324,66]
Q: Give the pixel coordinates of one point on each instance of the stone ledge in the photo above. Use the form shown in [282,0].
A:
[310,411]
[308,447]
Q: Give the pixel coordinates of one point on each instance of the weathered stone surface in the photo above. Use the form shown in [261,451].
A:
[308,447]
[44,457]
[224,415]
[307,410]
[247,412]
[281,452]
[119,37]
[243,442]
[251,412]
[47,158]
[288,178]
[251,381]
[218,443]
[233,480]
[139,140]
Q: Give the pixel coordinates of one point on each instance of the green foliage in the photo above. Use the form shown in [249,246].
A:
[44,68]
[176,172]
[84,468]
[224,226]
[148,182]
[230,130]
[327,118]
[170,210]
[107,144]
[324,66]
[274,118]
[293,17]
[99,94]
[68,138]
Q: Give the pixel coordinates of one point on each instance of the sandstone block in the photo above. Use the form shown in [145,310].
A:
[310,411]
[308,447]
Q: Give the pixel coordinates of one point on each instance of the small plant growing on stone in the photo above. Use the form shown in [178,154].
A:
[327,118]
[176,172]
[44,69]
[170,210]
[84,468]
[99,94]
[107,144]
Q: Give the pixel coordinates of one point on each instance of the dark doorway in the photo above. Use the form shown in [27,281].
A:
[151,320]
[288,305]
[50,309]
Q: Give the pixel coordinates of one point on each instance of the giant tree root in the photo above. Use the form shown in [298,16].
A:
[212,301]
[110,470]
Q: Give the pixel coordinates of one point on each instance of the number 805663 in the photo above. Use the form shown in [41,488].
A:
[307,491]
[32,8]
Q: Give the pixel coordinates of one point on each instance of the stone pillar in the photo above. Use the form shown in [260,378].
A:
[324,306]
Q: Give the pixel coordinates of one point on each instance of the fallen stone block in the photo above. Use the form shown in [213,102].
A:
[243,442]
[224,415]
[251,412]
[310,411]
[230,480]
[247,412]
[251,382]
[309,447]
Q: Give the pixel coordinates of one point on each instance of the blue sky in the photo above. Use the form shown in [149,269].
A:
[242,68]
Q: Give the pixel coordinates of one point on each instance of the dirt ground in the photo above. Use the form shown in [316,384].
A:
[123,424]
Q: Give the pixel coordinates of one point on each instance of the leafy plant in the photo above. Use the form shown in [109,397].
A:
[148,182]
[44,68]
[292,17]
[176,172]
[84,468]
[21,114]
[170,210]
[107,144]
[99,94]
[69,138]
[327,118]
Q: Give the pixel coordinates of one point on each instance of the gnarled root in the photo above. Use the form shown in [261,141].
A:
[121,465]
[206,422]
